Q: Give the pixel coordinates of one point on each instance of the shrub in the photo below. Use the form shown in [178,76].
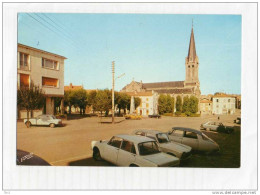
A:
[167,114]
[178,113]
[133,117]
[188,113]
[195,115]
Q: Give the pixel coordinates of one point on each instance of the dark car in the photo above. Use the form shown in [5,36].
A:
[225,129]
[28,158]
[154,116]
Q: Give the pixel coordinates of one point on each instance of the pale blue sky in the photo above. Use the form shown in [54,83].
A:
[147,47]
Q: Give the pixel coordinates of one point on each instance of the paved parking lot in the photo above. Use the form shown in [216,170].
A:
[70,144]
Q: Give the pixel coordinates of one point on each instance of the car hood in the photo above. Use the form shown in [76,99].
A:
[160,158]
[176,147]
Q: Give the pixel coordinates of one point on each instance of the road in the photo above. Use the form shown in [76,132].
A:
[71,144]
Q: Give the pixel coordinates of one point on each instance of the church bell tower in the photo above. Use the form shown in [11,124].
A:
[192,63]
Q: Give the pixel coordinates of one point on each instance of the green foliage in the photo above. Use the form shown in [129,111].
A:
[122,100]
[80,99]
[194,102]
[190,105]
[165,104]
[30,98]
[69,99]
[178,113]
[137,101]
[178,104]
[186,104]
[103,101]
[167,114]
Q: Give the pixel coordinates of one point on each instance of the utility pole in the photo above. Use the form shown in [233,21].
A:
[113,93]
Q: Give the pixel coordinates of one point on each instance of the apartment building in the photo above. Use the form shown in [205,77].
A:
[44,69]
[223,104]
[205,106]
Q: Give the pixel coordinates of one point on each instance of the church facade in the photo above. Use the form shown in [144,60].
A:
[190,86]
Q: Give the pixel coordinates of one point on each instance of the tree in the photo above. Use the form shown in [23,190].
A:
[186,104]
[80,99]
[69,99]
[92,100]
[165,104]
[30,98]
[57,102]
[122,100]
[193,104]
[137,101]
[178,104]
[103,101]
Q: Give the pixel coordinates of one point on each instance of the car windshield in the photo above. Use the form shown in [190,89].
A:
[147,148]
[162,138]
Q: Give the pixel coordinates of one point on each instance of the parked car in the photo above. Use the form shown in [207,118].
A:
[179,150]
[133,151]
[154,116]
[193,138]
[26,158]
[216,126]
[43,120]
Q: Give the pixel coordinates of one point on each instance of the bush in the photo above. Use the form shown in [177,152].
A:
[188,113]
[195,115]
[178,113]
[167,114]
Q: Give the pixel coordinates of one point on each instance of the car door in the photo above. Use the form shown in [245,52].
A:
[111,150]
[43,120]
[191,139]
[126,154]
[176,135]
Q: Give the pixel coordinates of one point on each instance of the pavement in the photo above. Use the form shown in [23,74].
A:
[71,144]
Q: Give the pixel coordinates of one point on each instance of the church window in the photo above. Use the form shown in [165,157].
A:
[189,66]
[192,66]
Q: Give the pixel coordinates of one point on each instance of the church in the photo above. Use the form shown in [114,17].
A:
[190,86]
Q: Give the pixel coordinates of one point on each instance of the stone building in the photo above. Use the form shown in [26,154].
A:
[205,106]
[224,104]
[149,102]
[190,86]
[45,70]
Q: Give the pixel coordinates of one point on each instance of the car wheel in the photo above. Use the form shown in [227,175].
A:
[52,125]
[28,124]
[96,154]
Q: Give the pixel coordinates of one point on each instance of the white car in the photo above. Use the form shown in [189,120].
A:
[193,138]
[179,150]
[43,120]
[133,151]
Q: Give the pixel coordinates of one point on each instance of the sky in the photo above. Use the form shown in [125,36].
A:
[145,47]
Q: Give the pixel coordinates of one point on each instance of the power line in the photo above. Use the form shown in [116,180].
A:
[45,25]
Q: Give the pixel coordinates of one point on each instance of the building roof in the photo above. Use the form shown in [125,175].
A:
[223,96]
[164,84]
[145,93]
[192,49]
[175,91]
[72,87]
[39,50]
[135,138]
[205,101]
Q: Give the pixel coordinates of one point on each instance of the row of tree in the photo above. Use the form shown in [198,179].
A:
[100,100]
[188,105]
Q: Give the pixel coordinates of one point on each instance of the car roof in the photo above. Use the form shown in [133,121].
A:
[134,138]
[151,131]
[187,129]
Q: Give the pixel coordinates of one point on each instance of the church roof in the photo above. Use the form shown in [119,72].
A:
[146,93]
[175,91]
[164,84]
[192,48]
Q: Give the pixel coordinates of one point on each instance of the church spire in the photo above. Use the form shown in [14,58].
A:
[192,48]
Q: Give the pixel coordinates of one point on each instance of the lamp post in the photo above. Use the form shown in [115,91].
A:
[113,90]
